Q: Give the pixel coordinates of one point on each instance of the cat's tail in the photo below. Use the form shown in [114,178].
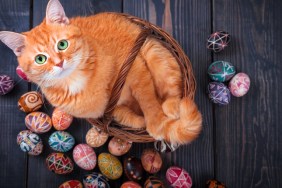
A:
[187,127]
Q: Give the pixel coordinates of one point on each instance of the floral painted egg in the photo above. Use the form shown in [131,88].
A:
[218,41]
[61,141]
[21,73]
[30,142]
[178,177]
[118,146]
[133,168]
[130,184]
[95,180]
[219,93]
[59,163]
[239,84]
[214,184]
[153,182]
[84,156]
[71,184]
[38,122]
[96,138]
[6,84]
[110,166]
[30,102]
[151,161]
[221,71]
[164,147]
[61,120]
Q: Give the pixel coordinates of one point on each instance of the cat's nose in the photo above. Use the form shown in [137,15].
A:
[60,64]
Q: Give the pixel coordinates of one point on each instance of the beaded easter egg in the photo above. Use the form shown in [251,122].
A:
[214,184]
[21,73]
[96,138]
[95,180]
[61,120]
[38,122]
[239,84]
[59,163]
[153,182]
[151,161]
[6,84]
[221,71]
[61,141]
[110,166]
[30,102]
[30,142]
[219,93]
[84,156]
[218,41]
[178,177]
[164,147]
[130,184]
[71,184]
[118,146]
[133,168]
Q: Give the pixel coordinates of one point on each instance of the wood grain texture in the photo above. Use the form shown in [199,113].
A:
[14,16]
[248,131]
[189,22]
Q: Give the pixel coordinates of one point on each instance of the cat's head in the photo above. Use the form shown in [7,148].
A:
[49,52]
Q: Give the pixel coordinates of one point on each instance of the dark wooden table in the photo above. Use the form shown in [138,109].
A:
[240,145]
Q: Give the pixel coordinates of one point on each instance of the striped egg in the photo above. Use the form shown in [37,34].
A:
[61,141]
[84,156]
[38,122]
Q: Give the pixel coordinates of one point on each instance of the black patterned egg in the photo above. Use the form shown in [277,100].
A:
[133,168]
[30,142]
[219,93]
[153,182]
[6,84]
[214,184]
[218,41]
[95,180]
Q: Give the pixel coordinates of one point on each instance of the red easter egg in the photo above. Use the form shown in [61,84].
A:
[71,184]
[178,177]
[59,163]
[130,184]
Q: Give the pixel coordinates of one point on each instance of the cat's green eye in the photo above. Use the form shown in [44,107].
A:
[40,59]
[63,44]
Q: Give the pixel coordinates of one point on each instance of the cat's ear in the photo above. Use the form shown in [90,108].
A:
[55,13]
[15,41]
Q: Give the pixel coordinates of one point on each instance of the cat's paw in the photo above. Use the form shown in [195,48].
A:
[171,107]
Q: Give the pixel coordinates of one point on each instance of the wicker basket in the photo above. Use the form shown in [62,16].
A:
[107,123]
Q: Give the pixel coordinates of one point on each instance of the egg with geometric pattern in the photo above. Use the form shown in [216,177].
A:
[178,177]
[6,84]
[61,141]
[110,166]
[219,93]
[61,120]
[30,142]
[95,180]
[71,184]
[59,163]
[38,122]
[218,41]
[84,156]
[153,182]
[130,184]
[221,71]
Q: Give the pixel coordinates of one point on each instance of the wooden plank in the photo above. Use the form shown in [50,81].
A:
[189,22]
[79,128]
[248,131]
[14,16]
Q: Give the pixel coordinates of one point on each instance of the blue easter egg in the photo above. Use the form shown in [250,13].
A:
[221,71]
[95,180]
[219,93]
[61,141]
[30,142]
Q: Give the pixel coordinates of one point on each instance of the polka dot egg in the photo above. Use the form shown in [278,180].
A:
[95,180]
[61,120]
[38,122]
[219,93]
[221,71]
[6,84]
[178,177]
[84,156]
[61,141]
[239,84]
[30,142]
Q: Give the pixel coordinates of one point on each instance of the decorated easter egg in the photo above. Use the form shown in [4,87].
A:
[59,163]
[151,160]
[30,102]
[164,147]
[96,137]
[84,156]
[219,93]
[218,41]
[30,142]
[95,180]
[71,184]
[21,73]
[133,168]
[110,166]
[239,84]
[153,182]
[130,184]
[178,177]
[118,146]
[61,120]
[6,84]
[214,184]
[38,122]
[61,141]
[221,71]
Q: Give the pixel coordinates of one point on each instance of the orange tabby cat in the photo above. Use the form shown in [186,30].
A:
[76,62]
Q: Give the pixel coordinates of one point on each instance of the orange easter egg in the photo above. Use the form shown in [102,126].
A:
[61,120]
